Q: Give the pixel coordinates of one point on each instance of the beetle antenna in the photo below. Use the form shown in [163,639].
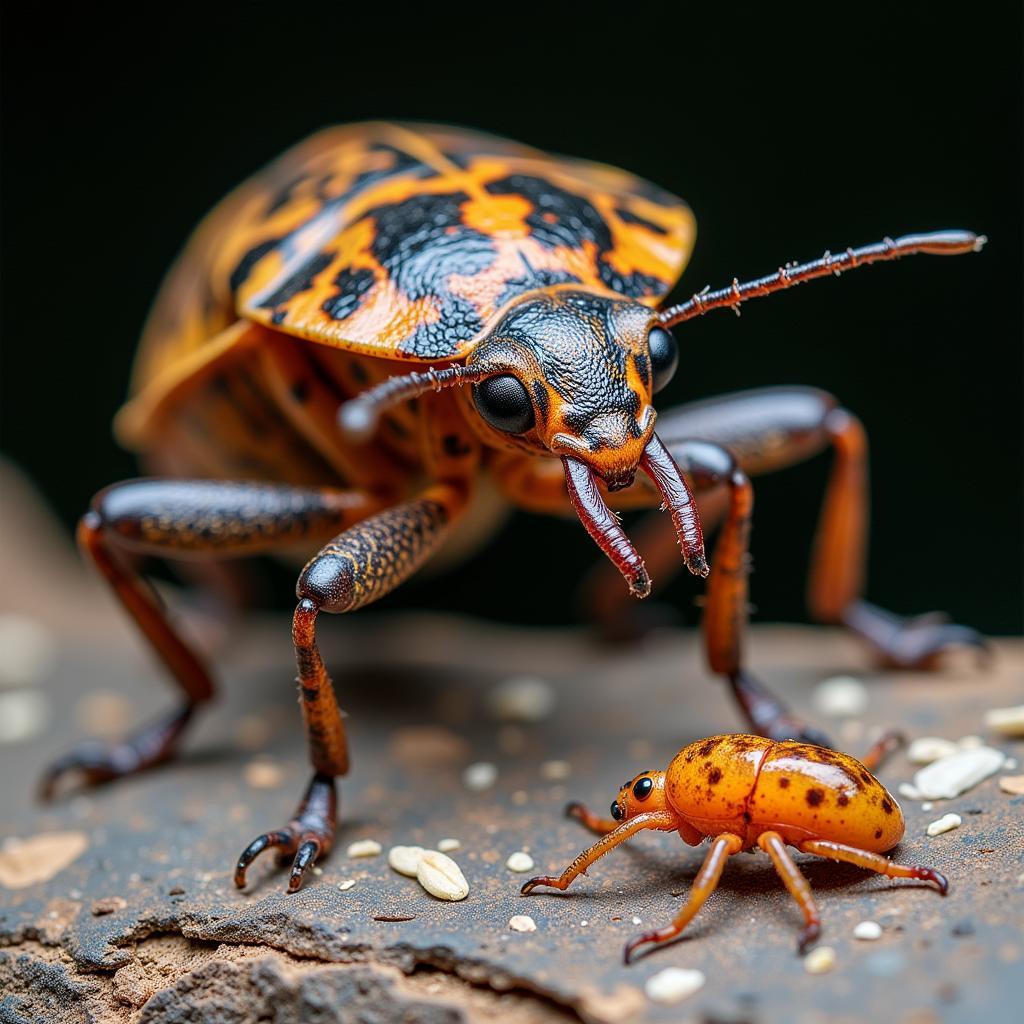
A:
[359,416]
[937,243]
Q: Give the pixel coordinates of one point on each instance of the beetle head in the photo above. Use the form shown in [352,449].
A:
[575,373]
[644,793]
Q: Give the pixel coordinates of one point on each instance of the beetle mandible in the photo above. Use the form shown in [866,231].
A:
[273,399]
[745,791]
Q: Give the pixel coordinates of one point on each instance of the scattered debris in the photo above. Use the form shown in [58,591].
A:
[1006,721]
[926,749]
[107,905]
[522,699]
[405,859]
[1012,784]
[427,746]
[868,931]
[30,652]
[480,775]
[820,960]
[841,697]
[447,845]
[637,920]
[364,848]
[673,985]
[946,823]
[25,862]
[394,917]
[522,923]
[347,884]
[24,714]
[955,774]
[176,891]
[519,861]
[555,771]
[441,876]
[263,774]
[963,928]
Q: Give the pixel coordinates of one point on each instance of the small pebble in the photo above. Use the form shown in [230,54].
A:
[441,876]
[364,848]
[673,985]
[522,923]
[519,861]
[820,960]
[637,920]
[24,714]
[926,749]
[1012,784]
[479,776]
[347,884]
[1006,721]
[447,845]
[956,773]
[263,774]
[405,859]
[30,652]
[868,931]
[927,805]
[946,823]
[970,742]
[555,771]
[841,697]
[522,699]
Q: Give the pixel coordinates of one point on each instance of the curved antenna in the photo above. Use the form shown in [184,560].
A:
[937,243]
[358,417]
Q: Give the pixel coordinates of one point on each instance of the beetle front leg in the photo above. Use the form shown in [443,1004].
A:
[198,519]
[356,568]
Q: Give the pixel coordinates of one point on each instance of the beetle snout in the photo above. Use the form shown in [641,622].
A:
[611,444]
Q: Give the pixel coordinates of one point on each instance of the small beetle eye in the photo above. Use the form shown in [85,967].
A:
[616,810]
[504,403]
[642,788]
[664,357]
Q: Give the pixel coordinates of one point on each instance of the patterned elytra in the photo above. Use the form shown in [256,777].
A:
[403,241]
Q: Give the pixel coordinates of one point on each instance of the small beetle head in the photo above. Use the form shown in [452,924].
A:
[644,793]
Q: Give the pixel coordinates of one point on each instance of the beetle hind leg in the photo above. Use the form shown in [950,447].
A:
[874,862]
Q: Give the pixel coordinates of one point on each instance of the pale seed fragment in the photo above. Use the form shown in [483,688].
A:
[447,845]
[347,884]
[519,861]
[1006,721]
[926,749]
[405,859]
[522,699]
[868,931]
[1012,784]
[555,771]
[522,923]
[364,848]
[956,773]
[841,697]
[441,876]
[673,985]
[820,960]
[479,776]
[946,823]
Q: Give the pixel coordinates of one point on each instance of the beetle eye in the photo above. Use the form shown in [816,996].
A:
[504,403]
[642,788]
[664,357]
[616,810]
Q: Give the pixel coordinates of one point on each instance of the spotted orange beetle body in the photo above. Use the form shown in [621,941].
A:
[743,791]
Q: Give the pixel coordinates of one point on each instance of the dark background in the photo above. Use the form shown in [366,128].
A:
[787,134]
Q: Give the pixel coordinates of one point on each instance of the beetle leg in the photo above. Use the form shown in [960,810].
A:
[874,862]
[663,820]
[185,519]
[356,568]
[799,888]
[722,847]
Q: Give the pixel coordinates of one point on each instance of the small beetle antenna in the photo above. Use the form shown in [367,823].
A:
[359,416]
[938,243]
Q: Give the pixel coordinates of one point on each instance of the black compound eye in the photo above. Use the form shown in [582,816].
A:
[642,788]
[504,403]
[664,357]
[616,810]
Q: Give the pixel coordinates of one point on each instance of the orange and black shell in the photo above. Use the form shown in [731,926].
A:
[383,243]
[748,785]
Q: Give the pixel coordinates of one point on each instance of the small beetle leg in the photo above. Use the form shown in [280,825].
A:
[722,848]
[799,888]
[874,862]
[656,819]
[888,743]
[587,818]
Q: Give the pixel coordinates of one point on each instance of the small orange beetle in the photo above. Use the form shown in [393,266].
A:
[744,791]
